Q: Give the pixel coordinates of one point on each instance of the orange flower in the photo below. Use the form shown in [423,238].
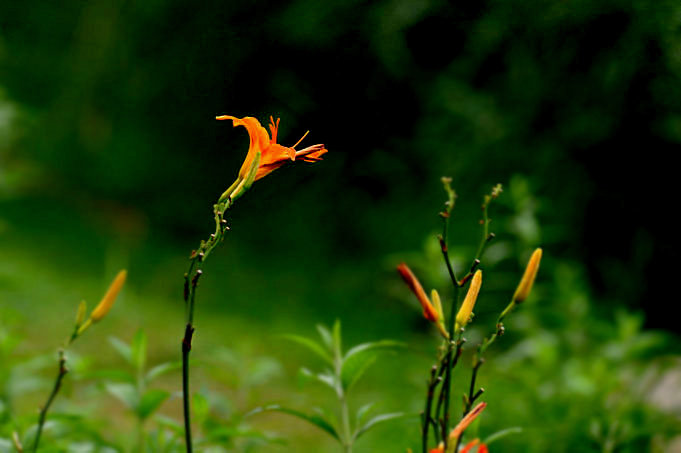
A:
[410,279]
[272,155]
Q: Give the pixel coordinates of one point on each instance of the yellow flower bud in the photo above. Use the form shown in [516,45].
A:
[525,285]
[435,298]
[80,315]
[109,298]
[466,309]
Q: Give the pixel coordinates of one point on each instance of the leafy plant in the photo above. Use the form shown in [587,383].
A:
[437,410]
[341,372]
[133,386]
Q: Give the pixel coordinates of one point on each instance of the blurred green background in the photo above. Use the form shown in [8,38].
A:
[110,158]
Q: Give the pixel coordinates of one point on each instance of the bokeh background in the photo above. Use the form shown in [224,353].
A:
[110,158]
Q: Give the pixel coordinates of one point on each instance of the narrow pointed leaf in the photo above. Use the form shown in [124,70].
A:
[122,348]
[150,402]
[361,357]
[325,378]
[362,412]
[376,420]
[162,369]
[503,433]
[311,345]
[314,419]
[138,349]
[327,338]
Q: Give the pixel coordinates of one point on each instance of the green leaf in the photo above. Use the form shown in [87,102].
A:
[361,357]
[325,378]
[122,348]
[314,419]
[376,420]
[326,336]
[125,392]
[138,349]
[162,369]
[150,402]
[312,346]
[169,423]
[337,339]
[503,433]
[201,407]
[362,413]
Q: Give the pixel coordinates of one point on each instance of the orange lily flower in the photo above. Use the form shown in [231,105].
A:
[272,154]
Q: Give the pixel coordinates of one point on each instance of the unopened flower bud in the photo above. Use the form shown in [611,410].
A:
[109,298]
[525,285]
[410,279]
[464,314]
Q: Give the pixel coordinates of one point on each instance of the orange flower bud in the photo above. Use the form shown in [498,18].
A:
[410,279]
[464,314]
[109,298]
[467,420]
[525,285]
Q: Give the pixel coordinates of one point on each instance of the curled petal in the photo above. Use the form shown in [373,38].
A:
[260,140]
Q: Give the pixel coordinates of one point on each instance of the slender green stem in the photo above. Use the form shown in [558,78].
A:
[62,370]
[345,417]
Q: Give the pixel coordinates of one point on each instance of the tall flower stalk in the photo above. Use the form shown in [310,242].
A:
[80,326]
[264,156]
[437,414]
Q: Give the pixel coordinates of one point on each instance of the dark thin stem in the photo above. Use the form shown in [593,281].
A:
[191,281]
[427,419]
[452,316]
[474,374]
[447,388]
[186,347]
[62,370]
[445,255]
[479,360]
